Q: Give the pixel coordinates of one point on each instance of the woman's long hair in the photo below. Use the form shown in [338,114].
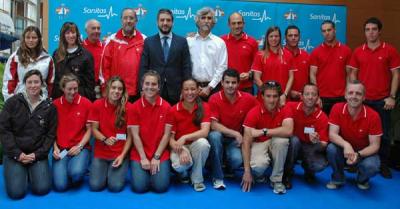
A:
[120,111]
[62,44]
[24,53]
[267,47]
[199,113]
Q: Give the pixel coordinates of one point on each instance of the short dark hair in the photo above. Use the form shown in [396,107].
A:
[31,73]
[291,27]
[271,85]
[311,84]
[329,22]
[374,20]
[230,72]
[355,82]
[165,11]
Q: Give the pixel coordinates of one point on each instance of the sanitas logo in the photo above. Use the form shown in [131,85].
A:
[325,17]
[256,16]
[290,15]
[307,45]
[183,14]
[101,12]
[219,12]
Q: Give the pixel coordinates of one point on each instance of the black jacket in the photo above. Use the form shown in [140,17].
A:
[23,131]
[79,63]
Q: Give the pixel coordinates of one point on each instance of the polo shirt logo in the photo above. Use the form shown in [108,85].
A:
[244,47]
[340,57]
[360,130]
[78,114]
[380,58]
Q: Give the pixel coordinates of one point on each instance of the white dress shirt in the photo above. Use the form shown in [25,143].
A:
[209,58]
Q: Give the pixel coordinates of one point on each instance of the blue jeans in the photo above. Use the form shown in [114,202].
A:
[103,174]
[18,175]
[70,170]
[233,153]
[312,155]
[142,180]
[384,149]
[367,167]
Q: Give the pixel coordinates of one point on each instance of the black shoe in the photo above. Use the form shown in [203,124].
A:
[385,172]
[287,181]
[309,178]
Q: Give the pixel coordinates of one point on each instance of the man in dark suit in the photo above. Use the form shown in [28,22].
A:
[168,54]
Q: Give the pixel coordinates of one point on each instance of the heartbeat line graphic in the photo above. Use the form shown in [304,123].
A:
[189,15]
[308,45]
[109,15]
[263,18]
[334,19]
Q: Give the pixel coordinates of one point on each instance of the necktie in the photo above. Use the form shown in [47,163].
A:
[165,48]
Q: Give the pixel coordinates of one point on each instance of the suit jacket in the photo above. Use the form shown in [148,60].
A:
[177,68]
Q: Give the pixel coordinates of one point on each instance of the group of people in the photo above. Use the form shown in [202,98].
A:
[160,102]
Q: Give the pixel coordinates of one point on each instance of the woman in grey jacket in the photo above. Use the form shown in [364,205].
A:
[28,125]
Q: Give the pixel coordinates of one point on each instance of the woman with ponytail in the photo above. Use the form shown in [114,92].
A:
[274,63]
[190,124]
[109,123]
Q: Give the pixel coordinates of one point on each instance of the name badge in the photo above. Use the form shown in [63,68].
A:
[309,130]
[121,137]
[63,154]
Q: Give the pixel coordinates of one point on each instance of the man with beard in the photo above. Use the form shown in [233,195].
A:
[93,44]
[168,54]
[207,52]
[355,133]
[328,67]
[122,54]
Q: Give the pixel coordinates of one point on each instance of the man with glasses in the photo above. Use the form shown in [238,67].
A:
[267,129]
[122,54]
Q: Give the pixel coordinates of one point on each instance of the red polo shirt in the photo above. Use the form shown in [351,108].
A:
[71,120]
[96,49]
[356,132]
[317,120]
[241,54]
[181,120]
[375,68]
[274,67]
[301,68]
[103,113]
[231,115]
[260,118]
[331,63]
[151,121]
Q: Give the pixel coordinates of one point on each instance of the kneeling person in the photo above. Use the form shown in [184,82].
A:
[270,127]
[355,132]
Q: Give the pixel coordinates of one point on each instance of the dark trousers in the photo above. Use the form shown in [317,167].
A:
[328,102]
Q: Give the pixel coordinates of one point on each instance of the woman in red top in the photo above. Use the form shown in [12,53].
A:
[70,156]
[109,123]
[273,63]
[190,121]
[149,158]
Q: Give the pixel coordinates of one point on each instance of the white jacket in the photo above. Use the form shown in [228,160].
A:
[15,71]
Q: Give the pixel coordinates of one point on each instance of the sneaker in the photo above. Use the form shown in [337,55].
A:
[279,187]
[199,187]
[219,184]
[385,172]
[334,185]
[363,186]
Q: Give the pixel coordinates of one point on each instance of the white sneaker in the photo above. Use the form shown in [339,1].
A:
[199,187]
[219,184]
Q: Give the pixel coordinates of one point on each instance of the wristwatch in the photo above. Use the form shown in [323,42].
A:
[156,157]
[265,131]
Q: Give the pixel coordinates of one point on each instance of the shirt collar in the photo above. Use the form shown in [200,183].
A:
[295,52]
[179,107]
[76,99]
[361,114]
[381,45]
[224,98]
[98,43]
[265,111]
[317,111]
[169,35]
[243,36]
[128,37]
[337,44]
[146,103]
[198,37]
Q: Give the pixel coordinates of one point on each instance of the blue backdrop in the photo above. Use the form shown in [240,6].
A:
[258,17]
